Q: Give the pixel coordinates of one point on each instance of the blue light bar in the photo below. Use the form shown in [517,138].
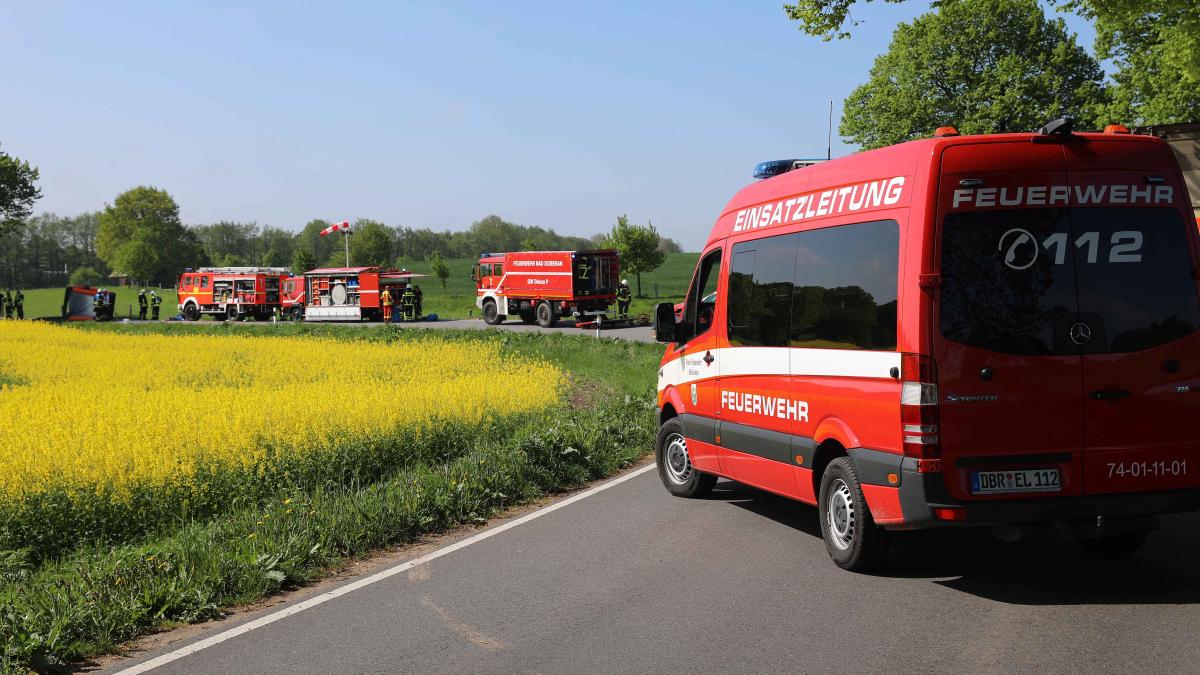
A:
[776,167]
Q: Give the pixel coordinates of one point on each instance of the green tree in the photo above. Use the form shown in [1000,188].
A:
[18,191]
[303,261]
[440,269]
[371,243]
[139,260]
[638,246]
[140,235]
[982,66]
[310,240]
[86,276]
[1155,45]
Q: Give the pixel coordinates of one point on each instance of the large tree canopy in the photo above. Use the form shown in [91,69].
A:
[140,236]
[982,66]
[1155,45]
[18,191]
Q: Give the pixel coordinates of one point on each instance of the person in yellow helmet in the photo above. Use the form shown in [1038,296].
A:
[386,300]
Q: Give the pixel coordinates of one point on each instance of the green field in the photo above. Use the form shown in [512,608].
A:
[457,301]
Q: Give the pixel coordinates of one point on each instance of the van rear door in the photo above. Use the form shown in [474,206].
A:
[1011,402]
[1136,262]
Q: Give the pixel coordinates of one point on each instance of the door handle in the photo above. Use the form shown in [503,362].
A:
[1110,394]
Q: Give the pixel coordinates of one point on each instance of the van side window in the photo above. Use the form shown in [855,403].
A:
[498,270]
[759,305]
[845,287]
[204,281]
[702,297]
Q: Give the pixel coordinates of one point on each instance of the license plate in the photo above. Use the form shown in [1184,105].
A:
[1023,480]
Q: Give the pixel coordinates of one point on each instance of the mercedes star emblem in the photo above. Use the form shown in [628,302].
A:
[1081,333]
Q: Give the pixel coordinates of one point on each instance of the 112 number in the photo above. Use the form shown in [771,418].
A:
[1125,246]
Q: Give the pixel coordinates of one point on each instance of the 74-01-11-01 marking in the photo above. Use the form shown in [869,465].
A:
[1141,469]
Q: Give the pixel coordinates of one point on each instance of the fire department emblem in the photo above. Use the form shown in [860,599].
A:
[693,393]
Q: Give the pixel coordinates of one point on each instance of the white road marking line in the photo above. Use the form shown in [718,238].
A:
[217,639]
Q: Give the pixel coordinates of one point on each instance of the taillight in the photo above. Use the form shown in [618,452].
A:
[919,407]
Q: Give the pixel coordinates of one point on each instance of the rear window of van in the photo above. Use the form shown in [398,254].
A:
[1014,281]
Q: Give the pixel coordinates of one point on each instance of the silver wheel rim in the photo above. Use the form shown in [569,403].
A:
[676,461]
[839,509]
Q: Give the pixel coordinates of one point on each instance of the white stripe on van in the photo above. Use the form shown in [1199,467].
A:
[778,361]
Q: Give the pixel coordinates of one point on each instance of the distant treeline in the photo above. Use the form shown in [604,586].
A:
[49,250]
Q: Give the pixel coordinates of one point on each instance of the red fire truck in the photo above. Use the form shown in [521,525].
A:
[996,331]
[542,286]
[343,293]
[232,293]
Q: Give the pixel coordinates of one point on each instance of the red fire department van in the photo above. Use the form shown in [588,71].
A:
[342,293]
[542,286]
[992,330]
[232,293]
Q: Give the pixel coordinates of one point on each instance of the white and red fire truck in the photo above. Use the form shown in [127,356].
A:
[343,293]
[232,293]
[543,286]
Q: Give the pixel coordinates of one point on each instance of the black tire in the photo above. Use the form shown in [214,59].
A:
[544,314]
[491,314]
[231,313]
[297,313]
[191,312]
[527,317]
[851,536]
[1113,546]
[675,467]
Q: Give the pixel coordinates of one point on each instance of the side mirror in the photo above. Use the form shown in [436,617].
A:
[665,328]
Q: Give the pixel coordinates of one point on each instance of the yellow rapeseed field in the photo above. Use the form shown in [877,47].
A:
[102,411]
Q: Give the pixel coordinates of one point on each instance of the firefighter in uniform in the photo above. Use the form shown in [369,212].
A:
[385,299]
[155,302]
[2,305]
[624,296]
[20,300]
[408,302]
[8,304]
[417,292]
[142,305]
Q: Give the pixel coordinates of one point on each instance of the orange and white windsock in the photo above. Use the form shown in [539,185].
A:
[344,225]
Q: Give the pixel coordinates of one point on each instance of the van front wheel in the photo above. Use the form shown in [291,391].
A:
[675,465]
[851,536]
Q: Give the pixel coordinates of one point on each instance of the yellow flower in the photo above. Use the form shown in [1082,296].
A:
[99,414]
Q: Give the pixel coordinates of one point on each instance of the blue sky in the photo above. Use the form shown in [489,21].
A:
[558,114]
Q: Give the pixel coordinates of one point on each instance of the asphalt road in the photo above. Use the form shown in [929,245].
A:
[630,579]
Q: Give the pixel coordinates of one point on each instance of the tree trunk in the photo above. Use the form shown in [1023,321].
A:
[639,283]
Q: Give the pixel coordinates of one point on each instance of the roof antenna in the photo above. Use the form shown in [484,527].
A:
[829,139]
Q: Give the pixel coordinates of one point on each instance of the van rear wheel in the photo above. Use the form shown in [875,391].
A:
[191,312]
[675,466]
[851,536]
